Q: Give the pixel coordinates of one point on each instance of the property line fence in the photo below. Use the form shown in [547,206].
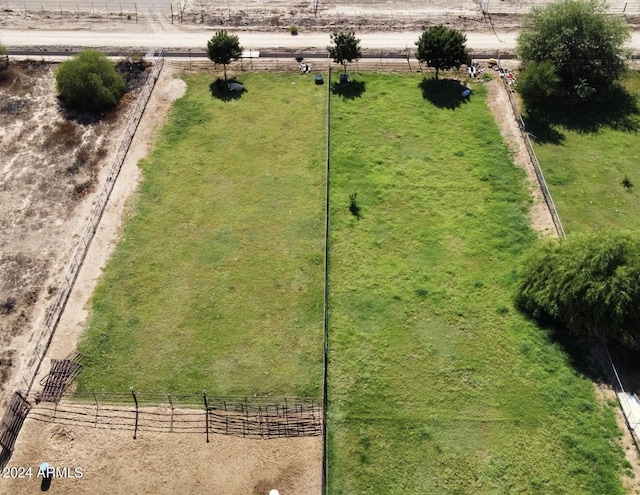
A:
[629,403]
[520,7]
[66,284]
[247,417]
[534,160]
[234,12]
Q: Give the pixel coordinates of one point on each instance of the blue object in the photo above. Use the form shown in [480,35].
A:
[344,78]
[466,93]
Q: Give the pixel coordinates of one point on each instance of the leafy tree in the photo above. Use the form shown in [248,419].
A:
[89,81]
[588,283]
[222,48]
[345,48]
[584,45]
[442,48]
[4,61]
[537,81]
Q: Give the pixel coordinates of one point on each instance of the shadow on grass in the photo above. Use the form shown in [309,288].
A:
[443,93]
[348,90]
[220,89]
[583,355]
[617,109]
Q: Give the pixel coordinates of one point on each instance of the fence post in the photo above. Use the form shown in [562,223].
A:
[135,399]
[96,399]
[206,412]
[171,424]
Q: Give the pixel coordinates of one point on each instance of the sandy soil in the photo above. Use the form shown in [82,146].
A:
[112,462]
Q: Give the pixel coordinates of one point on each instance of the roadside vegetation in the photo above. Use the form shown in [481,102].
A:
[436,383]
[217,280]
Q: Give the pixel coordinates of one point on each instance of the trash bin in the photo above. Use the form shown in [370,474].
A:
[319,79]
[344,78]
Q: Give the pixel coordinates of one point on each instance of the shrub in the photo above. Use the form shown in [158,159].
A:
[294,30]
[89,82]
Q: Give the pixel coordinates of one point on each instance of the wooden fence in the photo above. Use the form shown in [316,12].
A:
[247,417]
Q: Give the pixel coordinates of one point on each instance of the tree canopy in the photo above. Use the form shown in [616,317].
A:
[4,60]
[222,48]
[588,283]
[442,48]
[345,48]
[580,42]
[89,82]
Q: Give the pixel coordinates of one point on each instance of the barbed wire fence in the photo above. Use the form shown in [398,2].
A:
[66,284]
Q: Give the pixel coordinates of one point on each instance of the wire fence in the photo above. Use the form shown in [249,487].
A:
[534,158]
[233,12]
[520,7]
[66,284]
[629,403]
[247,417]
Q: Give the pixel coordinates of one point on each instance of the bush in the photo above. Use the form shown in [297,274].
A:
[89,82]
[590,284]
[294,30]
[583,44]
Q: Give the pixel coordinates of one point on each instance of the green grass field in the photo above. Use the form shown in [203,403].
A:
[218,279]
[585,170]
[436,384]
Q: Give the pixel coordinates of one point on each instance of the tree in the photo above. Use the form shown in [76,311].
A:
[222,48]
[442,48]
[537,81]
[4,57]
[90,82]
[345,48]
[588,283]
[581,41]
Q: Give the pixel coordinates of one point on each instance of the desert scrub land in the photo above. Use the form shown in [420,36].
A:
[217,281]
[436,383]
[50,166]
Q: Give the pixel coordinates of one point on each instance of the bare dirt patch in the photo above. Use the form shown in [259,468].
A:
[165,463]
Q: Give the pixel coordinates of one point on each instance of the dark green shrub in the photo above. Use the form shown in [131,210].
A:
[89,82]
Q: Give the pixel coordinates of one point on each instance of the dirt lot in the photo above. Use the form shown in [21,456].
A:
[164,463]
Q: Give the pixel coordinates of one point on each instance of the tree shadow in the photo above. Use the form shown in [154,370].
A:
[220,89]
[443,93]
[349,90]
[616,109]
[542,130]
[582,354]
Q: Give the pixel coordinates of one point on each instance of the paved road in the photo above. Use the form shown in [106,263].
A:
[196,39]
